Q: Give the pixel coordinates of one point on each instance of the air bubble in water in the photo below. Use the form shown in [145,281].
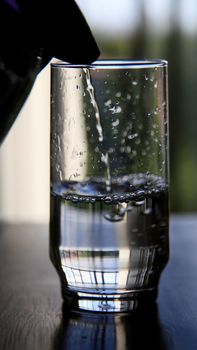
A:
[147,211]
[75,199]
[117,213]
[138,203]
[92,200]
[108,200]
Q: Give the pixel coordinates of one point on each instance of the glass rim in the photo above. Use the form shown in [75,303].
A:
[115,64]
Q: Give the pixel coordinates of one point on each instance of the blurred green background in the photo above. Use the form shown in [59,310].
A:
[139,29]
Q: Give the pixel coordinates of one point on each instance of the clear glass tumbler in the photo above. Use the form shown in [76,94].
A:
[109,182]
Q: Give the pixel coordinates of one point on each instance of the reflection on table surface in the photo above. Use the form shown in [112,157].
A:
[139,330]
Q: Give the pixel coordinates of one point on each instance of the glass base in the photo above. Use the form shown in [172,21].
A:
[109,303]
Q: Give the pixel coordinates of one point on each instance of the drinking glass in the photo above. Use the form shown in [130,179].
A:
[109,182]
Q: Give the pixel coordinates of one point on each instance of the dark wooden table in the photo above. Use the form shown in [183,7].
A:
[32,315]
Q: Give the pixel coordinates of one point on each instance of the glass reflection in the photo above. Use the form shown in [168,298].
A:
[141,329]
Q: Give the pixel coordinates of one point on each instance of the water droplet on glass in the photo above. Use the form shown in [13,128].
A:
[118,94]
[116,122]
[134,82]
[157,110]
[111,150]
[96,149]
[107,103]
[132,136]
[115,109]
[134,153]
[128,96]
[137,142]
